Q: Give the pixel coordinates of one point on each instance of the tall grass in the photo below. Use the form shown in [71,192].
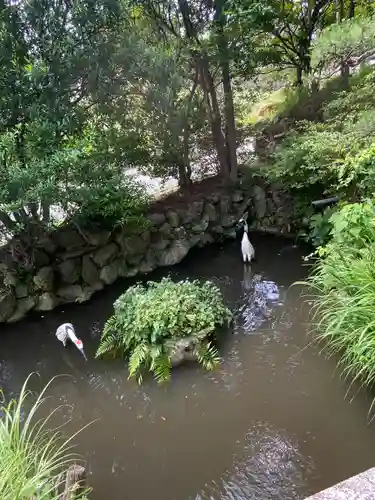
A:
[32,456]
[343,282]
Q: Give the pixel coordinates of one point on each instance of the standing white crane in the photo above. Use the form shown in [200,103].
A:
[247,249]
[66,333]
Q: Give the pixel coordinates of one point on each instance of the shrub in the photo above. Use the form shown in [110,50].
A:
[149,321]
[358,172]
[336,153]
[328,155]
[319,227]
[352,227]
[31,455]
[310,157]
[344,283]
[116,200]
[359,97]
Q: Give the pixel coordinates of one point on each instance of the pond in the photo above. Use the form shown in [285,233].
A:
[274,421]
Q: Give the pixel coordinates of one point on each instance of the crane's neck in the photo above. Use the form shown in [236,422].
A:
[245,228]
[71,334]
[245,238]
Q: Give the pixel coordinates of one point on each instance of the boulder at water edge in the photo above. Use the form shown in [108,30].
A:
[70,293]
[23,307]
[46,302]
[7,304]
[260,202]
[111,272]
[44,279]
[174,254]
[70,270]
[90,273]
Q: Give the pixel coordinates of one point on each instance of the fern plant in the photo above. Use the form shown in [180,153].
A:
[151,322]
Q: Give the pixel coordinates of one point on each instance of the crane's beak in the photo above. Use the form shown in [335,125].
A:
[83,354]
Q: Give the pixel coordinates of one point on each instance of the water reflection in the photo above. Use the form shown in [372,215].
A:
[259,298]
[270,466]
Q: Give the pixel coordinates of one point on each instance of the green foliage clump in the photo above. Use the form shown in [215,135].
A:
[341,41]
[94,189]
[359,97]
[357,172]
[319,227]
[344,283]
[149,321]
[32,455]
[310,157]
[336,153]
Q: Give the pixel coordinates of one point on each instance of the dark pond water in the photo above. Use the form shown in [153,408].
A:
[273,422]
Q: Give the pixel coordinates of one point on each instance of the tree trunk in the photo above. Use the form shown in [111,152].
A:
[46,214]
[186,153]
[230,122]
[299,73]
[230,127]
[184,180]
[208,86]
[304,59]
[344,67]
[185,167]
[33,209]
[351,9]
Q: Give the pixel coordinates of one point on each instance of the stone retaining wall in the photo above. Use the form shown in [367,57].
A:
[71,265]
[360,487]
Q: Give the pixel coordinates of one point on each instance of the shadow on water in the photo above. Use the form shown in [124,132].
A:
[272,422]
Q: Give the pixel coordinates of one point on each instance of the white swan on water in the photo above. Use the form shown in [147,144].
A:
[66,333]
[247,249]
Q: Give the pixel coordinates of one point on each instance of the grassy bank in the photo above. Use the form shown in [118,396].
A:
[33,458]
[325,141]
[343,284]
[328,148]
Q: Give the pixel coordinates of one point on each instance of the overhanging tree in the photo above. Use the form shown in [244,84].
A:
[279,33]
[201,28]
[54,57]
